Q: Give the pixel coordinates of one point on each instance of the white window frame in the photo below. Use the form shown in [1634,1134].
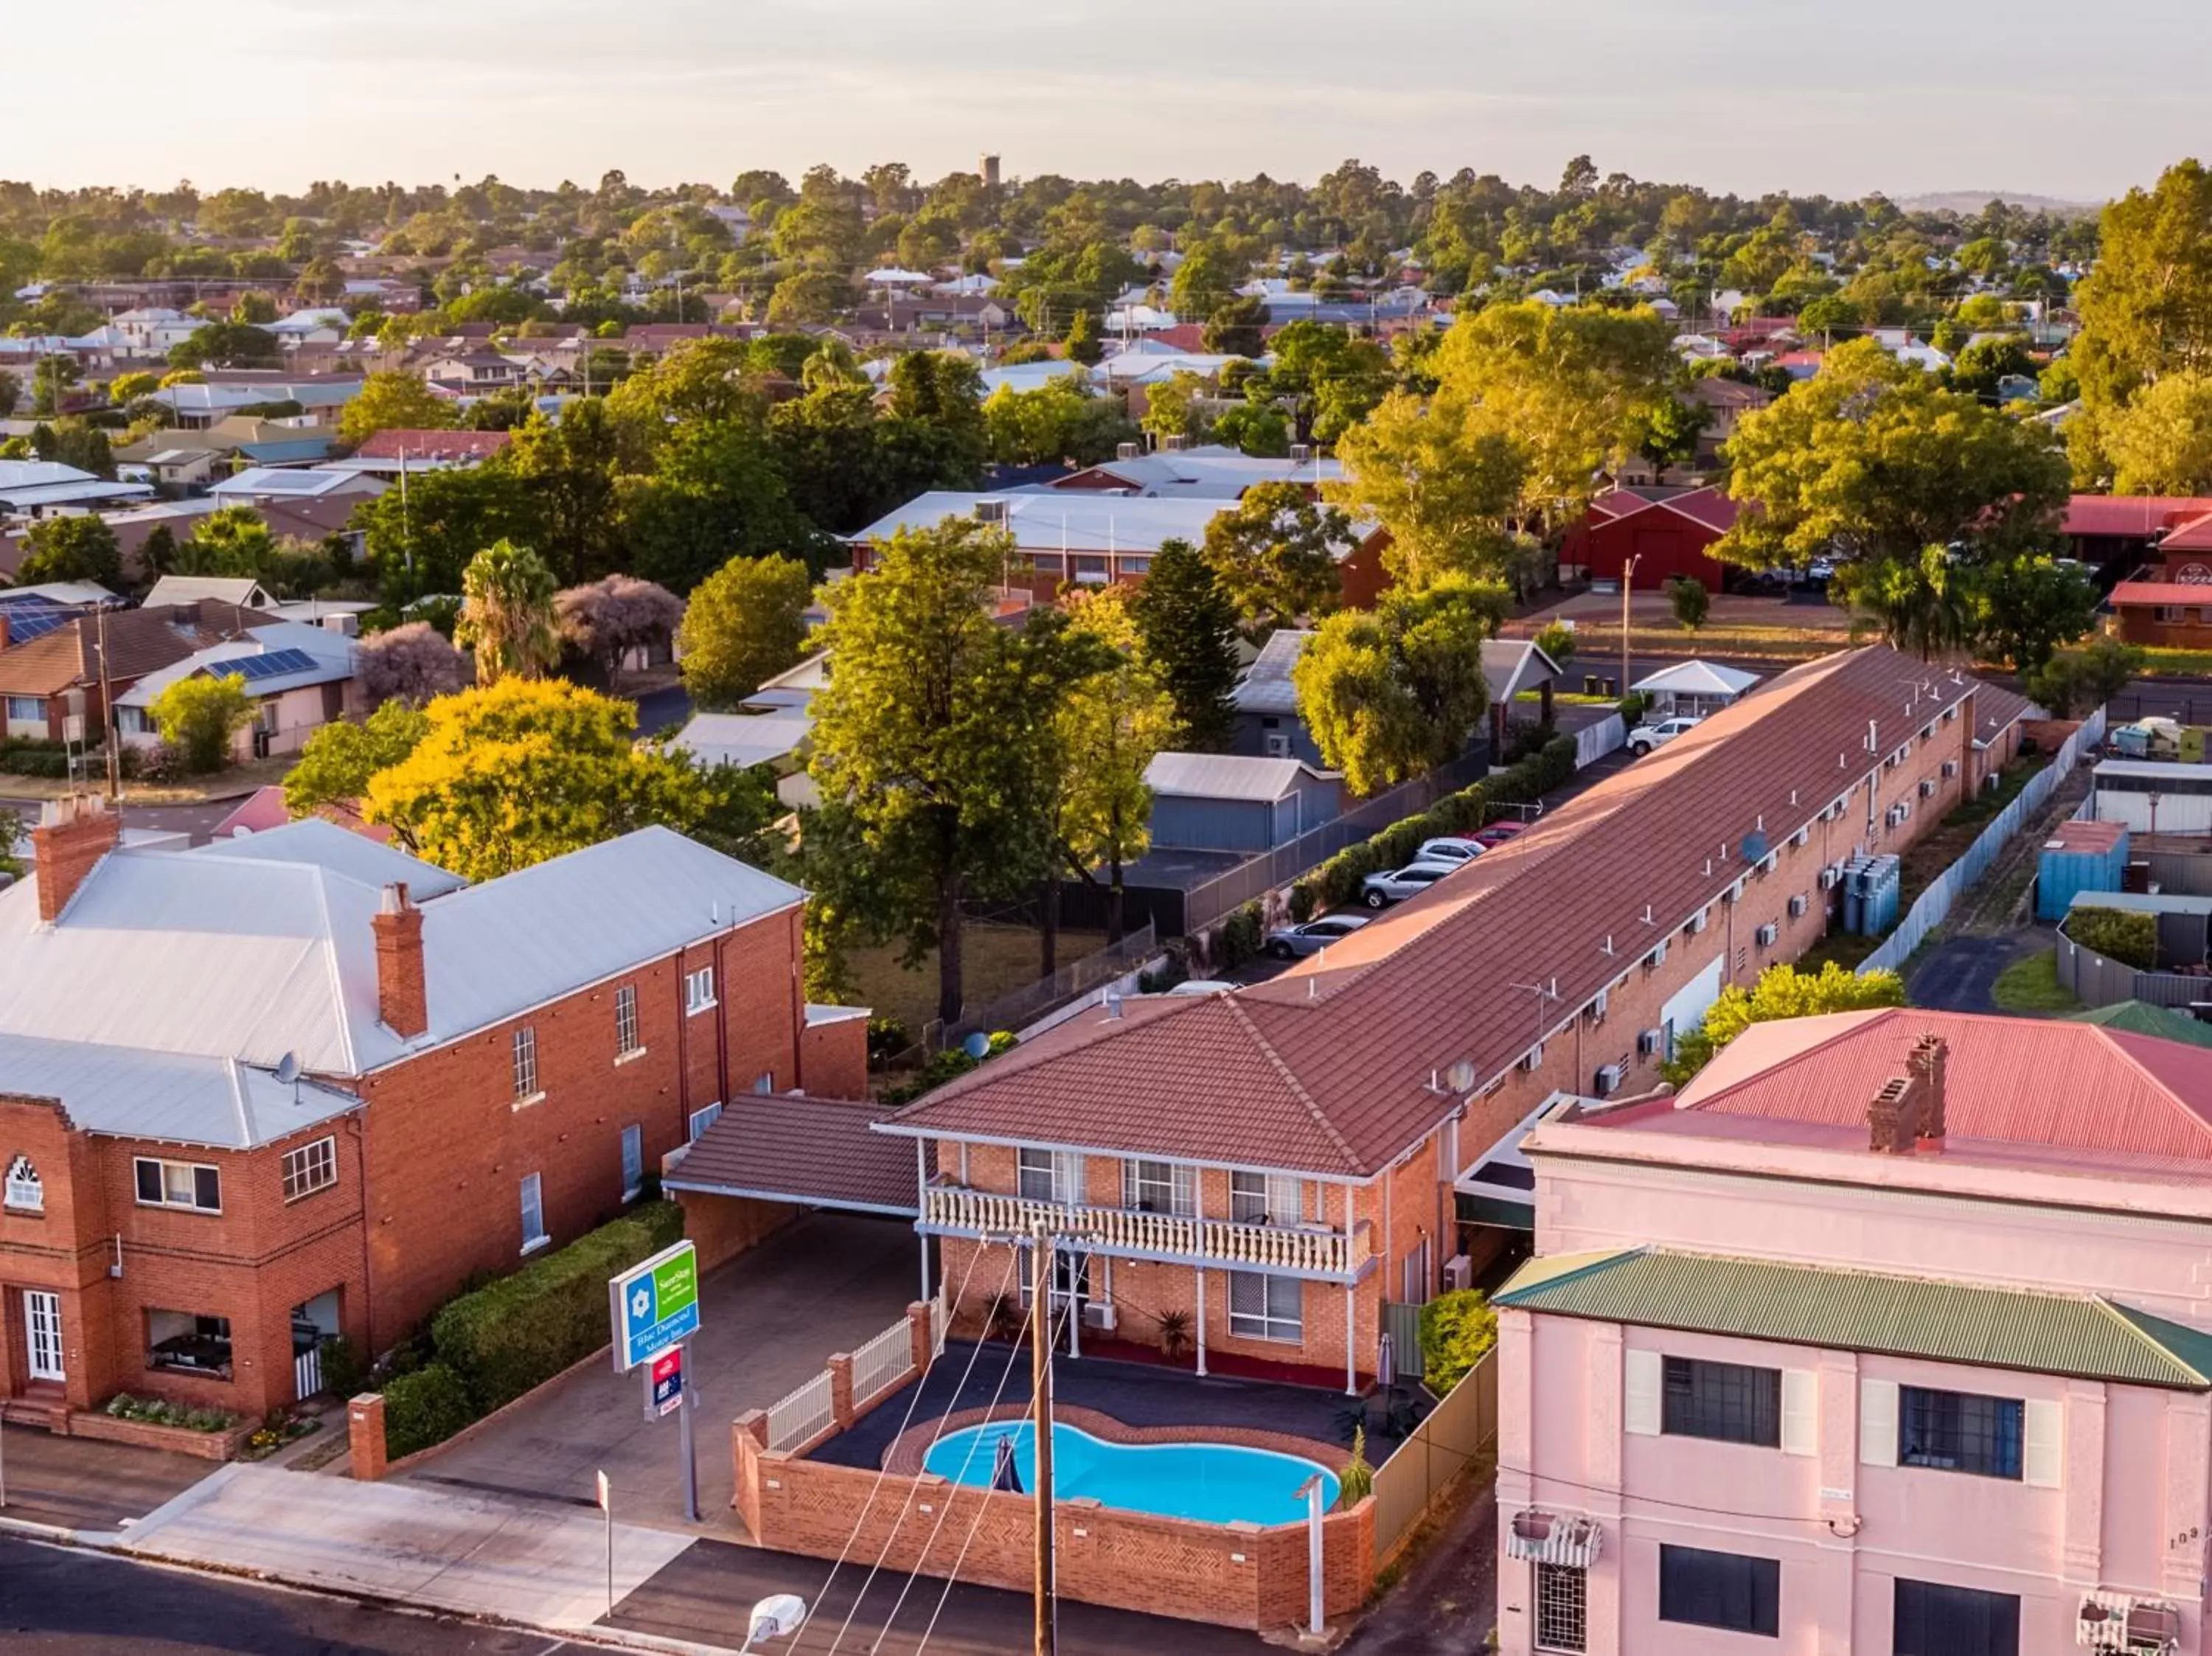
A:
[27,710]
[1062,1172]
[532,1192]
[1259,1197]
[1270,1321]
[523,1045]
[701,1118]
[699,991]
[633,1160]
[310,1167]
[626,1041]
[765,1083]
[25,1192]
[191,1170]
[1171,1188]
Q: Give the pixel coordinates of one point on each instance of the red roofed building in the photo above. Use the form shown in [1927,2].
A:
[1669,533]
[2120,530]
[432,448]
[2168,601]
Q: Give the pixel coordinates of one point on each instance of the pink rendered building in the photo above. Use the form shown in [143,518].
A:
[1890,1336]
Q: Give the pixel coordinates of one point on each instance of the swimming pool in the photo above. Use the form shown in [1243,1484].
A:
[1215,1483]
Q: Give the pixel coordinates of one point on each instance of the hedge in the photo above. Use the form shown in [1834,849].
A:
[1337,880]
[31,755]
[2122,935]
[427,1406]
[521,1330]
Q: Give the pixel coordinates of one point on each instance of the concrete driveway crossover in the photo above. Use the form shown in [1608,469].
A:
[769,1320]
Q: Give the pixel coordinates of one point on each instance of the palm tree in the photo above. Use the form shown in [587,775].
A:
[1923,605]
[507,613]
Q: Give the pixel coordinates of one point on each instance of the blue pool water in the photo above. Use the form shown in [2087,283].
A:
[1216,1483]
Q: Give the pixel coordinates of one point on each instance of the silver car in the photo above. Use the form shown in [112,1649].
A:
[1381,891]
[1313,936]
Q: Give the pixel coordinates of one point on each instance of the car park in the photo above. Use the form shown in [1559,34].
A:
[1381,891]
[1292,941]
[1644,737]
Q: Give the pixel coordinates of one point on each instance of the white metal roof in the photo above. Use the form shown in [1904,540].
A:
[1266,687]
[1511,665]
[242,590]
[2154,770]
[1058,518]
[170,1097]
[1697,678]
[743,739]
[332,657]
[301,481]
[2145,902]
[1225,776]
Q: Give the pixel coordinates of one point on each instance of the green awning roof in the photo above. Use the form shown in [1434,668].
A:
[2087,1338]
[1494,1210]
[2142,1018]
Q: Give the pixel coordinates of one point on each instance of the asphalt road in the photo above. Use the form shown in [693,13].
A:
[1957,973]
[65,1601]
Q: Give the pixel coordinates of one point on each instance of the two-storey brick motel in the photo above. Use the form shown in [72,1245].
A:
[299,1084]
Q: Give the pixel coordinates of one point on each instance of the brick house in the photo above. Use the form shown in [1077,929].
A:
[482,1072]
[2168,603]
[45,678]
[1291,1151]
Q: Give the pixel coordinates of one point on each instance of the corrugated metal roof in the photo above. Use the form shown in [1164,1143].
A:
[1512,665]
[2143,903]
[173,1097]
[743,739]
[2086,1338]
[2138,1017]
[1698,678]
[1266,687]
[1079,522]
[1225,776]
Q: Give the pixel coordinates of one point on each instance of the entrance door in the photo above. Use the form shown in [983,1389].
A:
[42,1319]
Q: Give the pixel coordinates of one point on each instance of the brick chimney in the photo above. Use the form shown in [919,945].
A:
[1909,1109]
[403,1001]
[75,834]
[4,629]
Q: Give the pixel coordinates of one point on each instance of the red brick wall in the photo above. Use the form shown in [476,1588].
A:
[722,1227]
[833,1058]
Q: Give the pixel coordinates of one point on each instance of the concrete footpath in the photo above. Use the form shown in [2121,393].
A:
[532,1562]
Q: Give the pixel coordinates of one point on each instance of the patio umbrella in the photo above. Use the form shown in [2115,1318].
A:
[1003,1473]
[1386,1365]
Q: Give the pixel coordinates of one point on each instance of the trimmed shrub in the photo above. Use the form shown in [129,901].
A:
[344,1373]
[521,1330]
[1457,1330]
[2118,934]
[429,1405]
[1242,934]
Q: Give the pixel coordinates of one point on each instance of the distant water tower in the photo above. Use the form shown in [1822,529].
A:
[987,169]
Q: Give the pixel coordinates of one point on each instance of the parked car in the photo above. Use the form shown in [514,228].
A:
[1381,891]
[1452,848]
[1294,941]
[1201,986]
[1497,833]
[1644,737]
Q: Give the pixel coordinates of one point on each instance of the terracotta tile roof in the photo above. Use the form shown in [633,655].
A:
[1325,1069]
[139,642]
[432,445]
[778,1147]
[2053,1085]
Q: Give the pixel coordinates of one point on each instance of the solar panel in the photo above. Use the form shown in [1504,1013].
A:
[30,618]
[274,664]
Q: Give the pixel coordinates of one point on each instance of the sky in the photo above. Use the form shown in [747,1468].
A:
[1905,96]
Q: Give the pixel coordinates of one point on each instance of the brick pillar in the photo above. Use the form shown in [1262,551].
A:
[753,1424]
[917,1322]
[364,1436]
[840,1389]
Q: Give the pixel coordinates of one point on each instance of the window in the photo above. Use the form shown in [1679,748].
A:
[2164,612]
[632,1154]
[24,1192]
[134,721]
[1720,1590]
[1959,1432]
[189,1343]
[698,990]
[534,1214]
[1562,1608]
[525,1062]
[27,709]
[1725,1401]
[1934,1620]
[310,1169]
[626,1020]
[703,1120]
[764,1082]
[1044,1175]
[1160,1187]
[1266,1198]
[178,1185]
[1265,1308]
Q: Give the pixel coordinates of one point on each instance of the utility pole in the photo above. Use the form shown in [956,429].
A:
[1043,1253]
[1627,585]
[107,716]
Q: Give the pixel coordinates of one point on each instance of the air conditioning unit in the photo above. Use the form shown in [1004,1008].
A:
[1950,768]
[1766,935]
[1798,905]
[1797,840]
[1927,787]
[1099,1314]
[1533,1058]
[1831,877]
[1657,957]
[990,512]
[1928,731]
[1458,1273]
[1735,892]
[1597,1006]
[1650,1042]
[1609,1078]
[1697,923]
[1302,454]
[1949,714]
[1897,813]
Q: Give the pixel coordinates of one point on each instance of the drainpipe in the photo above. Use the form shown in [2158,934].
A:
[1350,1350]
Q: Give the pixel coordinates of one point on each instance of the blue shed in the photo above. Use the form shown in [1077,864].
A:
[1231,802]
[2079,856]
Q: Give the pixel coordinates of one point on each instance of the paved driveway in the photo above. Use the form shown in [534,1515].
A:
[769,1319]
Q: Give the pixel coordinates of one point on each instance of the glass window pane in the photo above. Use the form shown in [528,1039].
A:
[150,1181]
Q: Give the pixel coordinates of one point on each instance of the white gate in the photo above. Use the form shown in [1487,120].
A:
[42,1320]
[307,1373]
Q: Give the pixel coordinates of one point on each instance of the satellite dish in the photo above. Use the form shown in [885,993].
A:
[1753,849]
[977,1045]
[288,1069]
[1460,1077]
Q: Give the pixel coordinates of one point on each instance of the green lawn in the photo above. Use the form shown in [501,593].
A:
[2030,988]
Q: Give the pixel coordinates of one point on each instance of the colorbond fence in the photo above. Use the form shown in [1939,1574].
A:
[1461,1433]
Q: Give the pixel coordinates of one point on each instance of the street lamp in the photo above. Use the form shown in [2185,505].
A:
[773,1617]
[1627,585]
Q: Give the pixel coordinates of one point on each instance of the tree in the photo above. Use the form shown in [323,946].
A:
[255,307]
[1188,628]
[51,377]
[1872,459]
[392,400]
[2026,608]
[1082,343]
[234,541]
[1458,1329]
[127,387]
[1395,691]
[225,345]
[566,471]
[198,716]
[1110,724]
[2074,682]
[11,392]
[1204,282]
[507,613]
[744,623]
[1235,329]
[511,773]
[1275,553]
[927,741]
[1172,409]
[413,663]
[1690,602]
[2146,307]
[1258,429]
[81,547]
[1672,430]
[338,760]
[1438,480]
[1781,991]
[1557,640]
[2162,442]
[1331,378]
[1924,605]
[717,494]
[421,541]
[1062,423]
[615,615]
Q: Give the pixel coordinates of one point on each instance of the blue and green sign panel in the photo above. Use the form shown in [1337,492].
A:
[655,1304]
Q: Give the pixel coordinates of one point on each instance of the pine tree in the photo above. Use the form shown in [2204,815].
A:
[1189,631]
